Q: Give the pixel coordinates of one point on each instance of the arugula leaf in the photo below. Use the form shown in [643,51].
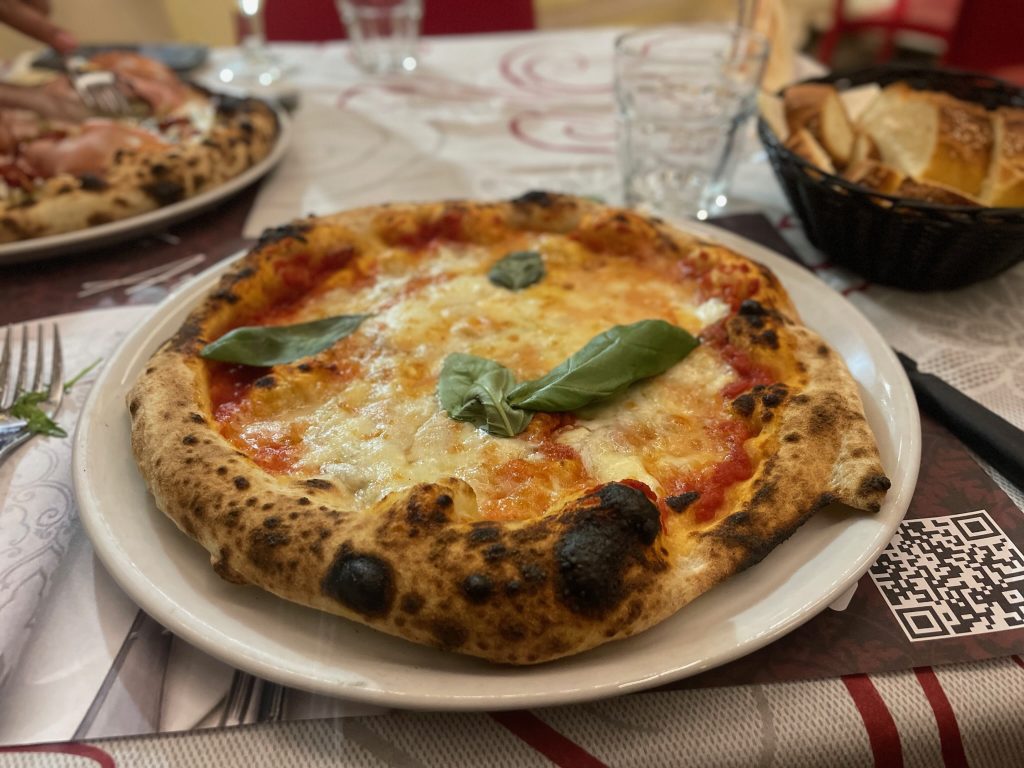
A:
[605,366]
[81,374]
[517,270]
[26,407]
[273,344]
[474,389]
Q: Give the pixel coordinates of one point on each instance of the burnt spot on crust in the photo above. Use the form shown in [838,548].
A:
[744,405]
[90,182]
[133,406]
[874,484]
[774,395]
[411,603]
[791,437]
[449,633]
[823,351]
[263,543]
[227,296]
[477,588]
[196,418]
[265,382]
[295,230]
[532,573]
[600,541]
[241,483]
[752,308]
[495,552]
[164,191]
[361,582]
[190,440]
[767,338]
[483,533]
[536,197]
[319,483]
[303,501]
[682,501]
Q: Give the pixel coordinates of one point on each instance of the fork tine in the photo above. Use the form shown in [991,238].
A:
[19,380]
[55,390]
[38,377]
[5,364]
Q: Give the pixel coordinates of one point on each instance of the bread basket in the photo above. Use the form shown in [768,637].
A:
[896,241]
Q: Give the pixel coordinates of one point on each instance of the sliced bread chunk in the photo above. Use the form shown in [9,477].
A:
[931,136]
[1004,184]
[875,176]
[816,108]
[803,143]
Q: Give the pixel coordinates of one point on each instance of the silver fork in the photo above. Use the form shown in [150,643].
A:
[97,89]
[14,430]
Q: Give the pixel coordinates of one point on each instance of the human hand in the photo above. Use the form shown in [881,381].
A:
[30,17]
[56,100]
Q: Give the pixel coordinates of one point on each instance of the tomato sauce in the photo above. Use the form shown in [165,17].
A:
[749,374]
[714,481]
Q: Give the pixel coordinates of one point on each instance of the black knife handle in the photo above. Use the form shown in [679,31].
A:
[993,438]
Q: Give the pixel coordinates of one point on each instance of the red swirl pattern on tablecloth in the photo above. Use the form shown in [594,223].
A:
[537,68]
[564,131]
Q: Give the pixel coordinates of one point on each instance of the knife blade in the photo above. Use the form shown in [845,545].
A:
[989,435]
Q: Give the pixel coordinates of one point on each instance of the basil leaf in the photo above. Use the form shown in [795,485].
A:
[474,389]
[26,407]
[517,270]
[273,344]
[606,365]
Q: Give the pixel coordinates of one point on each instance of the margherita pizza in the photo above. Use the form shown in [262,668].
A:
[61,175]
[514,430]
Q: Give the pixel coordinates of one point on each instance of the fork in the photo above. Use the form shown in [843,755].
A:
[14,430]
[97,89]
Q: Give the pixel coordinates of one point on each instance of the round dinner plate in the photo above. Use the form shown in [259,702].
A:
[40,248]
[170,576]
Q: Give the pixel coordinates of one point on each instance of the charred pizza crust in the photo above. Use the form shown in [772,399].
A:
[600,567]
[242,134]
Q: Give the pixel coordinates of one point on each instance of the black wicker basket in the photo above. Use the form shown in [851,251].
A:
[897,241]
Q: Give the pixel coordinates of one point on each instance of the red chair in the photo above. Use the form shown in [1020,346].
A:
[935,18]
[989,37]
[317,20]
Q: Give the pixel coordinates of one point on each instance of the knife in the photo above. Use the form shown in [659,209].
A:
[990,436]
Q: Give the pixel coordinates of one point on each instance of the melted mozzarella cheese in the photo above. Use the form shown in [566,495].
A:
[385,430]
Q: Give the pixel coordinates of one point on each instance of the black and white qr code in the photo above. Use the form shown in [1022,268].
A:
[948,576]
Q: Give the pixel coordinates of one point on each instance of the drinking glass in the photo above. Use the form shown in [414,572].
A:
[257,68]
[683,93]
[383,33]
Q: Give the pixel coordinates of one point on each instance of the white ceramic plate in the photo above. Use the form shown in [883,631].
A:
[170,576]
[40,248]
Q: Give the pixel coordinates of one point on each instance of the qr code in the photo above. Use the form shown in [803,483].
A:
[948,576]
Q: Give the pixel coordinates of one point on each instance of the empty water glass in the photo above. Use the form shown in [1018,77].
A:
[683,93]
[383,33]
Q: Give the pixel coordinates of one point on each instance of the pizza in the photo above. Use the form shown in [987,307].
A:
[515,430]
[59,174]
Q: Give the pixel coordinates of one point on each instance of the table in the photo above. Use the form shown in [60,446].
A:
[490,117]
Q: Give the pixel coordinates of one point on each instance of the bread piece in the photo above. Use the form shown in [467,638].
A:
[875,176]
[864,150]
[773,112]
[816,107]
[857,100]
[931,136]
[934,193]
[806,146]
[1004,183]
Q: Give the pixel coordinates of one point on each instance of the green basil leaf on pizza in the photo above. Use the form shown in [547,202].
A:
[606,365]
[475,389]
[275,344]
[517,270]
